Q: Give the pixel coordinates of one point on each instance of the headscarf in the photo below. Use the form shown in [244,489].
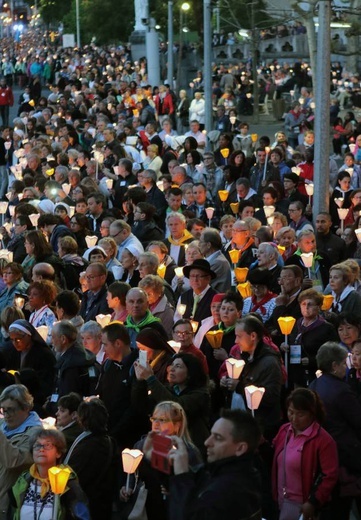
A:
[27,328]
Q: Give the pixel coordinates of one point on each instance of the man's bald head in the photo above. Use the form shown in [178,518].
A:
[43,271]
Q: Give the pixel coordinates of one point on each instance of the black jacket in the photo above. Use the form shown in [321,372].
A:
[76,371]
[99,306]
[228,488]
[146,231]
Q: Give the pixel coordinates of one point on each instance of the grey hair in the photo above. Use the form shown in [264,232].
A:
[330,352]
[174,214]
[151,175]
[20,394]
[151,258]
[270,250]
[91,327]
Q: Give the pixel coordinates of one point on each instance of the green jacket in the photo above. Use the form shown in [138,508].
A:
[73,502]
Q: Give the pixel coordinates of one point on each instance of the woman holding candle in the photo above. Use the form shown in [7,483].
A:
[14,284]
[263,299]
[305,460]
[306,338]
[32,495]
[41,295]
[162,252]
[340,198]
[168,418]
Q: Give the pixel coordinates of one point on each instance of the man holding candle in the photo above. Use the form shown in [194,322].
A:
[242,242]
[210,245]
[198,298]
[179,237]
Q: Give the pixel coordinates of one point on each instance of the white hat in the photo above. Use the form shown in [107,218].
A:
[134,250]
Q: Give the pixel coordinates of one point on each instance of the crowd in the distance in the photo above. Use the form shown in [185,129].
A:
[135,264]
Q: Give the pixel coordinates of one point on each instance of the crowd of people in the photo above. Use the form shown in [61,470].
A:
[147,272]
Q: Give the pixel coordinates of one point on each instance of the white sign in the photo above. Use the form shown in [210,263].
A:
[68,40]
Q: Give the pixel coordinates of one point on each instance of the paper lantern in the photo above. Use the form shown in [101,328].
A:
[7,145]
[31,103]
[268,210]
[71,210]
[309,189]
[91,240]
[109,183]
[209,213]
[270,220]
[161,270]
[131,460]
[43,331]
[339,201]
[58,478]
[342,213]
[286,324]
[234,367]
[116,170]
[7,255]
[3,207]
[241,274]
[244,289]
[234,207]
[160,185]
[34,218]
[48,423]
[103,319]
[181,308]
[178,271]
[234,255]
[318,373]
[223,195]
[307,259]
[118,271]
[296,169]
[50,172]
[215,338]
[352,147]
[254,138]
[175,345]
[8,225]
[19,302]
[254,396]
[225,152]
[9,195]
[281,249]
[66,188]
[194,324]
[327,302]
[358,234]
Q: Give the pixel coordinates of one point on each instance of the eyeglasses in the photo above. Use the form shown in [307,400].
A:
[198,276]
[10,410]
[92,276]
[113,236]
[47,446]
[180,333]
[160,420]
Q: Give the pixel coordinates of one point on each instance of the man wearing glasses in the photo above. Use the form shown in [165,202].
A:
[120,231]
[197,300]
[94,300]
[183,334]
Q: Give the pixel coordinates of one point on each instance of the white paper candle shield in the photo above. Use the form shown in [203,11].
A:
[268,210]
[19,301]
[9,195]
[339,201]
[12,211]
[7,255]
[307,259]
[181,308]
[109,183]
[209,213]
[358,234]
[43,331]
[103,319]
[175,345]
[66,188]
[342,213]
[3,207]
[71,211]
[254,396]
[234,367]
[118,271]
[91,240]
[34,218]
[179,270]
[131,460]
[8,225]
[309,189]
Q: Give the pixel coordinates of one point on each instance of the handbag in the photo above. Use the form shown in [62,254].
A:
[135,509]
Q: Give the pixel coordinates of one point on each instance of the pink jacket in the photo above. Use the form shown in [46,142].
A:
[319,454]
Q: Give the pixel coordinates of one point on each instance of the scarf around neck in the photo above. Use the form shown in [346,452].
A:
[45,484]
[226,330]
[186,236]
[148,319]
[260,304]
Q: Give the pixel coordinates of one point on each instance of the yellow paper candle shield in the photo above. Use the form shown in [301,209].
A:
[244,289]
[286,324]
[214,338]
[234,207]
[234,255]
[241,274]
[161,270]
[223,195]
[225,152]
[58,478]
[327,302]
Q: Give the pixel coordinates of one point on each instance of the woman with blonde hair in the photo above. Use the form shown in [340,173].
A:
[153,161]
[168,419]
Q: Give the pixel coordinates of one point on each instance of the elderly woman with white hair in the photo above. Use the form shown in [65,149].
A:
[91,336]
[285,238]
[16,428]
[158,303]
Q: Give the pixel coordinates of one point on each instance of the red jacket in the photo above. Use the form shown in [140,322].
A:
[164,106]
[6,97]
[319,453]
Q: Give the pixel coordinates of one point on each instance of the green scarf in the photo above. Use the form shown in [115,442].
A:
[147,320]
[226,330]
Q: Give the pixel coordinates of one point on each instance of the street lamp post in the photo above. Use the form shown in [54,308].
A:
[207,41]
[183,9]
[170,44]
[77,23]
